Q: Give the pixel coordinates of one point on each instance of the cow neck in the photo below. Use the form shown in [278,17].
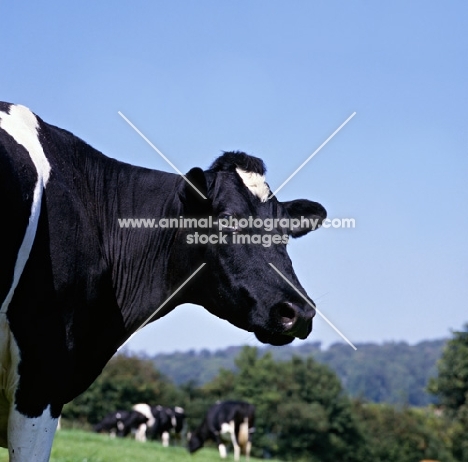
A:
[203,431]
[185,259]
[137,257]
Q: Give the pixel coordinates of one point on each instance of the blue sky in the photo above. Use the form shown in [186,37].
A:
[275,79]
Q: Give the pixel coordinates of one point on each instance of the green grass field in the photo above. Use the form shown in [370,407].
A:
[81,446]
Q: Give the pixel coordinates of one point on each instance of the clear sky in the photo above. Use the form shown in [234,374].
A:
[275,79]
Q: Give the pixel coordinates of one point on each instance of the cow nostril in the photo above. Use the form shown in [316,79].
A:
[287,314]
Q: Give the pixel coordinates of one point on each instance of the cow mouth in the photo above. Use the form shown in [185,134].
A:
[274,339]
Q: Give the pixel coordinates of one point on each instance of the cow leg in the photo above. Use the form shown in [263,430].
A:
[235,444]
[165,439]
[248,448]
[222,451]
[244,437]
[221,447]
[140,434]
[236,452]
[120,429]
[236,449]
[30,438]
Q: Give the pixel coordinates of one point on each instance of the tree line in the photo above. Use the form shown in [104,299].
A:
[303,410]
[393,372]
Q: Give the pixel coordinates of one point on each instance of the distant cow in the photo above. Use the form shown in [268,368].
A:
[162,421]
[232,419]
[121,423]
[169,421]
[76,282]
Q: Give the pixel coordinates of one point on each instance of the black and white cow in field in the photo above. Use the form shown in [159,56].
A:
[162,421]
[74,285]
[121,423]
[232,420]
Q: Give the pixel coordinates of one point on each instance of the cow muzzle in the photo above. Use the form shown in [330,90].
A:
[295,320]
[288,321]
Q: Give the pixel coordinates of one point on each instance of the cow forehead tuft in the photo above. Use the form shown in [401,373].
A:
[256,184]
[231,160]
[251,170]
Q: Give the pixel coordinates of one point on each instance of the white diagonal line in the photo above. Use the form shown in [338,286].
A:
[312,305]
[162,155]
[313,154]
[163,304]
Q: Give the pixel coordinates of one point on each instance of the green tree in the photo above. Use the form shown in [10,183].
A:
[406,435]
[451,388]
[451,383]
[125,381]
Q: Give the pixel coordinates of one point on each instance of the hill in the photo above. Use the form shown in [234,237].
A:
[393,372]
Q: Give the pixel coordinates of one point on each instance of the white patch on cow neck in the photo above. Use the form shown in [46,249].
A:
[256,184]
[30,438]
[21,124]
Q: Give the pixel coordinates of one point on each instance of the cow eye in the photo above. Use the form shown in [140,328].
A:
[228,223]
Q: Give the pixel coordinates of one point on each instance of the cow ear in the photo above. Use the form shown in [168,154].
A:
[307,216]
[194,195]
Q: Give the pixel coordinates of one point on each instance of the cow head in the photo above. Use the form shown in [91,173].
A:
[195,442]
[249,235]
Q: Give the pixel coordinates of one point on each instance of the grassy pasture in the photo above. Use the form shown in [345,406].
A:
[81,446]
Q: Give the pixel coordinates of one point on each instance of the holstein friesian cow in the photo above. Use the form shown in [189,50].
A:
[162,421]
[121,423]
[232,420]
[74,284]
[169,421]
